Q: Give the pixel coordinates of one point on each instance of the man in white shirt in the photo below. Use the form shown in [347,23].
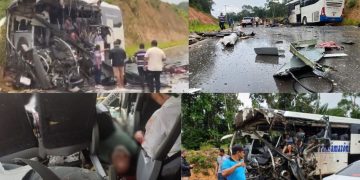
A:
[161,123]
[154,57]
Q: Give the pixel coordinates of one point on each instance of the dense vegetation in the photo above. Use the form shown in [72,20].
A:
[202,5]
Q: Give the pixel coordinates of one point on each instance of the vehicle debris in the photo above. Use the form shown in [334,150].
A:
[271,51]
[330,45]
[265,133]
[50,53]
[229,40]
[348,42]
[335,55]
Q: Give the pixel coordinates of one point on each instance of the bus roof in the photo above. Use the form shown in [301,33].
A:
[292,2]
[317,117]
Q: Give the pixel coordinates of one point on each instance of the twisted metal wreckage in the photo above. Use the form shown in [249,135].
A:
[66,61]
[271,162]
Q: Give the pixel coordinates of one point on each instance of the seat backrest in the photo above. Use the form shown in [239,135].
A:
[16,134]
[66,122]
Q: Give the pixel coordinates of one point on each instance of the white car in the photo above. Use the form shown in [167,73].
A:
[351,172]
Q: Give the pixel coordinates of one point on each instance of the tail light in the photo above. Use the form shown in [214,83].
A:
[323,11]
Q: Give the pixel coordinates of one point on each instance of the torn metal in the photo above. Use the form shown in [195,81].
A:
[272,162]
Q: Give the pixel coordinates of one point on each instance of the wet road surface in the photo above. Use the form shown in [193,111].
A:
[239,69]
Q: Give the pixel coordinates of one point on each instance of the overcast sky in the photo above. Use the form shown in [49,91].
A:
[331,98]
[233,5]
[175,1]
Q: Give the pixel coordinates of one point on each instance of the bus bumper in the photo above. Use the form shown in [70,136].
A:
[330,19]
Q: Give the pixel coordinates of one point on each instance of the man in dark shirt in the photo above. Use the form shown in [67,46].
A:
[222,21]
[185,167]
[118,56]
[141,64]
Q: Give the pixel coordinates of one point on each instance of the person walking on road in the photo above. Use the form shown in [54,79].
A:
[185,167]
[222,21]
[155,58]
[140,61]
[234,167]
[118,56]
[222,156]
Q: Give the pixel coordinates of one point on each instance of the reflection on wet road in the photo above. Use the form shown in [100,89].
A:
[239,69]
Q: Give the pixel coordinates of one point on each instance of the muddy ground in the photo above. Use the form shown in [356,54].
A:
[239,69]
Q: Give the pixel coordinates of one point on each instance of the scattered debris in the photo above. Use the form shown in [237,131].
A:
[229,40]
[348,42]
[279,42]
[272,51]
[335,55]
[329,45]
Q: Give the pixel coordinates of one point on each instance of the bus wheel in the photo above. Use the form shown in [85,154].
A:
[304,21]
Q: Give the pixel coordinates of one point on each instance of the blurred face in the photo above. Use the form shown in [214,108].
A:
[121,162]
[241,154]
[184,154]
[221,153]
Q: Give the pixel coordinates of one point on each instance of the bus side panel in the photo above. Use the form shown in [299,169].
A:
[312,12]
[330,162]
[355,139]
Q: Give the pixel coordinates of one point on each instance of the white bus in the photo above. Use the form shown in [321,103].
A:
[342,136]
[315,11]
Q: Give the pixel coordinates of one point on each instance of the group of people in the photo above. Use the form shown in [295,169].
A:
[227,167]
[150,65]
[223,19]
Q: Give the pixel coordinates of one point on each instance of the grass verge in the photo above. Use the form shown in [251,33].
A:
[131,49]
[348,21]
[196,26]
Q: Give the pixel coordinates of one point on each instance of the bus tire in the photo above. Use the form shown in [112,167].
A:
[304,21]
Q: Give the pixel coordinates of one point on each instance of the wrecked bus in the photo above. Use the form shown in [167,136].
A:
[321,145]
[50,43]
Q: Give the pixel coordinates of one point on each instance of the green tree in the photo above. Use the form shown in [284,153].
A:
[349,105]
[202,5]
[207,117]
[308,103]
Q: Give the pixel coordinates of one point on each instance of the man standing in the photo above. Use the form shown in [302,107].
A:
[118,56]
[234,167]
[222,21]
[140,61]
[222,156]
[185,167]
[154,57]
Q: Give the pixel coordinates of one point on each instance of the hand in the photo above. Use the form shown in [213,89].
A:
[139,136]
[241,164]
[192,165]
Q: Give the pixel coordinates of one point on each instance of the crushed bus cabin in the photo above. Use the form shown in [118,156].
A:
[50,43]
[295,145]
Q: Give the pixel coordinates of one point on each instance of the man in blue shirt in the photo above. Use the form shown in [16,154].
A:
[234,167]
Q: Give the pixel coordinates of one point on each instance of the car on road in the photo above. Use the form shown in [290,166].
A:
[247,21]
[351,172]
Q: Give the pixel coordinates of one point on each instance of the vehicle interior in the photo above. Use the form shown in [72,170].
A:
[47,136]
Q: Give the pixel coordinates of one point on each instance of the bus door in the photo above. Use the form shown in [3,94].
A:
[355,139]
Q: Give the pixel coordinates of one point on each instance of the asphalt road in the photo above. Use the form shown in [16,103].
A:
[239,69]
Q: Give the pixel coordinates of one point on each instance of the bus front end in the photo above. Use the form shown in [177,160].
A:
[332,11]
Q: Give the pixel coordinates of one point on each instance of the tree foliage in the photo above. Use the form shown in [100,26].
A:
[202,5]
[308,103]
[207,117]
[270,10]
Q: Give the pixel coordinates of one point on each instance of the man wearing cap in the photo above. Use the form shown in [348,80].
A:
[118,56]
[234,167]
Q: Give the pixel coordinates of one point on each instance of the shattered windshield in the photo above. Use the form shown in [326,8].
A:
[114,15]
